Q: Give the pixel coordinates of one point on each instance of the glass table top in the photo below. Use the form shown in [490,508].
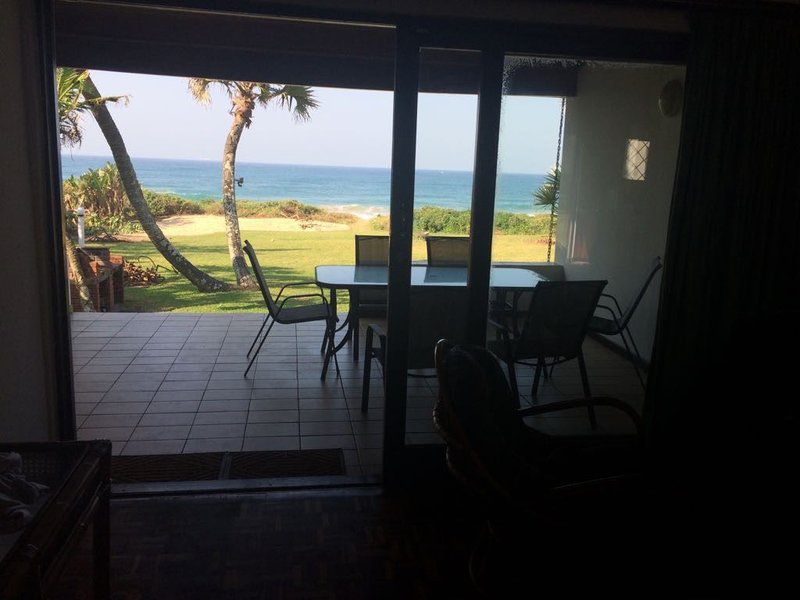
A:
[351,276]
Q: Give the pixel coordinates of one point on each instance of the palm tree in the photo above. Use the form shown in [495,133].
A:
[71,105]
[244,97]
[547,194]
[202,281]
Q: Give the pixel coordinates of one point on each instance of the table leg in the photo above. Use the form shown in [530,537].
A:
[353,330]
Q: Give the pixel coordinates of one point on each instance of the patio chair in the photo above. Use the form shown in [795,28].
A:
[279,313]
[447,251]
[371,250]
[531,486]
[554,328]
[437,312]
[618,323]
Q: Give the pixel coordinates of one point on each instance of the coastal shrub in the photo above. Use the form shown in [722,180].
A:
[519,224]
[286,209]
[99,191]
[434,219]
[380,223]
[165,205]
[96,226]
[99,226]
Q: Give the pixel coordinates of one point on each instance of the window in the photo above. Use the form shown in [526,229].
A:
[636,159]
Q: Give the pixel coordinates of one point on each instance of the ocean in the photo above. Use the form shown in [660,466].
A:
[358,190]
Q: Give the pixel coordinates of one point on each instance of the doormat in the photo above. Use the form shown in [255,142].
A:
[209,466]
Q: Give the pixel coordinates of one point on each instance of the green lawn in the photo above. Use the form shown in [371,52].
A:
[284,256]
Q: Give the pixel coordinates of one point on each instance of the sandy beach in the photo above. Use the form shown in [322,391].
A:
[203,224]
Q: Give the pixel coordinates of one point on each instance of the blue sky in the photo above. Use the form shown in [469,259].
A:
[350,127]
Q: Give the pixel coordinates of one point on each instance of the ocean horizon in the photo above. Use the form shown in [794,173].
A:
[363,191]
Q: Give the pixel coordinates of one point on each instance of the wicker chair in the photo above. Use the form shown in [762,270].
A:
[447,251]
[528,483]
[437,312]
[554,328]
[373,251]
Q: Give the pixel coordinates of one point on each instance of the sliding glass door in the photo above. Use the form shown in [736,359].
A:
[447,110]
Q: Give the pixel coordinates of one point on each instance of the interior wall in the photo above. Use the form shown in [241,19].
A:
[28,338]
[611,227]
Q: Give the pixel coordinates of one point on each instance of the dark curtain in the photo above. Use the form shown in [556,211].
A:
[724,376]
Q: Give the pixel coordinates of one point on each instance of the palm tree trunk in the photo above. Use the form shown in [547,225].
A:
[240,118]
[77,274]
[202,281]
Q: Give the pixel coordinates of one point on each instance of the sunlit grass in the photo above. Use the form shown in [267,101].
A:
[284,256]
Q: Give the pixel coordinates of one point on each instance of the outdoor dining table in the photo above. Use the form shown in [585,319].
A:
[503,280]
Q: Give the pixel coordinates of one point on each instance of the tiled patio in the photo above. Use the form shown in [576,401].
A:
[172,382]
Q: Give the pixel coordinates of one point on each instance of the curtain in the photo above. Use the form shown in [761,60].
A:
[719,424]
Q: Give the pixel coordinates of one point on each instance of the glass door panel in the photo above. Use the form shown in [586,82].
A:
[447,112]
[586,161]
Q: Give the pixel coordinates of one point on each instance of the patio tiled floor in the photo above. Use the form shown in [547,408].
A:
[172,382]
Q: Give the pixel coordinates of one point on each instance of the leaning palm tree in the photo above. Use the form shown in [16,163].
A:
[244,97]
[202,281]
[71,105]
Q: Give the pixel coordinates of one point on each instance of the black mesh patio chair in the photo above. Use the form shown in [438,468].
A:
[277,312]
[447,251]
[372,251]
[618,323]
[529,484]
[436,313]
[554,329]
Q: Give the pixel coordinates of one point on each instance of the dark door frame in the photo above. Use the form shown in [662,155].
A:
[494,40]
[410,42]
[44,79]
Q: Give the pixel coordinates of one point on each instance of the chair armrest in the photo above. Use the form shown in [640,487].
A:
[295,284]
[614,300]
[602,484]
[377,330]
[585,402]
[613,315]
[296,296]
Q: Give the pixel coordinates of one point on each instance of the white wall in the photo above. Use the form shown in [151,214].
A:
[618,226]
[27,354]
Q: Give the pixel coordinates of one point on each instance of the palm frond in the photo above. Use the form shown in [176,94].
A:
[298,99]
[72,104]
[547,194]
[200,88]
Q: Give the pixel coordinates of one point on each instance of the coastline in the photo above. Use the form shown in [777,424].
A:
[363,191]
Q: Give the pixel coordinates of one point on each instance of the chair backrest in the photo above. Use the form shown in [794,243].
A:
[489,448]
[372,250]
[557,319]
[262,282]
[436,312]
[447,251]
[655,267]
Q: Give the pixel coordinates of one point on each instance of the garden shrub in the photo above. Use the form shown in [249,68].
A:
[165,205]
